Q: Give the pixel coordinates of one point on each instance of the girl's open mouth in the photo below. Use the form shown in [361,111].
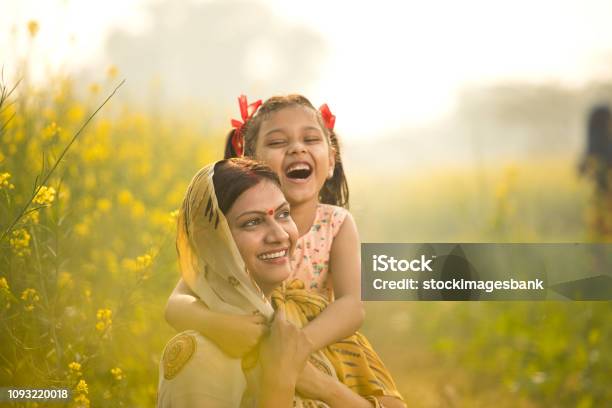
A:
[298,171]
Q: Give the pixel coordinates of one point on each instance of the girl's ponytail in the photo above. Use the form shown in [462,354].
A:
[335,191]
[230,151]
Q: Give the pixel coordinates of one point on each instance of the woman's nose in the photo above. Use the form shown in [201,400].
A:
[276,232]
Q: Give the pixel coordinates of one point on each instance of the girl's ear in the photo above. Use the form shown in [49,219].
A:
[332,162]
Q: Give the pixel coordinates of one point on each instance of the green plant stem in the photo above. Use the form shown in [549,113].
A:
[59,159]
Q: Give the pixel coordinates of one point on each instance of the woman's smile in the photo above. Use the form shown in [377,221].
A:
[279,256]
[264,233]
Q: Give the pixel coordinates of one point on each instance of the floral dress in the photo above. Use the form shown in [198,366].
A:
[310,260]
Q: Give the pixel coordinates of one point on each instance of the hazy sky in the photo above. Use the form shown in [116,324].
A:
[389,64]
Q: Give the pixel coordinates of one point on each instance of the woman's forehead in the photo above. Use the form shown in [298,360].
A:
[262,197]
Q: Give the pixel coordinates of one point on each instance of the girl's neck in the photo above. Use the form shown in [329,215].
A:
[303,215]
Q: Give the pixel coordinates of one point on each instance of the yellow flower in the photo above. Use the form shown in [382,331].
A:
[82,228]
[30,297]
[45,195]
[20,242]
[81,392]
[104,205]
[75,368]
[64,280]
[144,261]
[4,181]
[105,320]
[94,88]
[51,131]
[4,284]
[81,387]
[97,152]
[32,216]
[112,71]
[75,113]
[138,209]
[33,28]
[125,197]
[117,373]
[81,401]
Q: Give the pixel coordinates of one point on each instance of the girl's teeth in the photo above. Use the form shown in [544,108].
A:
[298,167]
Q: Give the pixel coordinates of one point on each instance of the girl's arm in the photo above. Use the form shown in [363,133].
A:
[345,314]
[236,335]
[316,385]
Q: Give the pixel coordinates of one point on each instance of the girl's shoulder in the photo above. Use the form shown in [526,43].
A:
[329,219]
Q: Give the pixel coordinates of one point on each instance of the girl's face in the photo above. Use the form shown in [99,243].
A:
[293,144]
[264,233]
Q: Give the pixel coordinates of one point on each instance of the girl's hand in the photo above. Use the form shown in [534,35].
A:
[311,383]
[237,335]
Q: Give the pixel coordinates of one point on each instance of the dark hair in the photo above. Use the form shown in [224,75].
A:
[598,131]
[335,190]
[232,177]
[598,156]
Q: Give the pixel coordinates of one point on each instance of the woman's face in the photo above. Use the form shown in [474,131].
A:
[264,233]
[293,144]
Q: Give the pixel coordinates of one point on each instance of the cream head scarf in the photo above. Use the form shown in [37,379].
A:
[208,257]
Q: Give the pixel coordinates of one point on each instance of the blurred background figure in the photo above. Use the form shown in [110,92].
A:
[597,165]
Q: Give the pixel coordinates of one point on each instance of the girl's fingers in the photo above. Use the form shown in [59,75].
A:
[280,313]
[258,319]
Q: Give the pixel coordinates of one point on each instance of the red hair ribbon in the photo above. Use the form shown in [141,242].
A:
[246,112]
[328,118]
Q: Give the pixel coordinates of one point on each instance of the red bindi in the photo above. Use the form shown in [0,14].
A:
[270,211]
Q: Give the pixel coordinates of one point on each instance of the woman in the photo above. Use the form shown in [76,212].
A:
[234,240]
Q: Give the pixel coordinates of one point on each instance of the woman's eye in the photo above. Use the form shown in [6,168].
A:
[251,223]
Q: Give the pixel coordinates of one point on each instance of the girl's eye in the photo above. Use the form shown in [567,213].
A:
[312,139]
[275,143]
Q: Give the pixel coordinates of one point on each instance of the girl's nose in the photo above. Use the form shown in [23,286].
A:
[297,147]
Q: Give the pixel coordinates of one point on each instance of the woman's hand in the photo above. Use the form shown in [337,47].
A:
[237,335]
[284,353]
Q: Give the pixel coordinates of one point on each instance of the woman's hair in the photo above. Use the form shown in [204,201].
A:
[232,177]
[335,190]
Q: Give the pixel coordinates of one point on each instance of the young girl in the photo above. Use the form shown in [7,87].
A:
[299,144]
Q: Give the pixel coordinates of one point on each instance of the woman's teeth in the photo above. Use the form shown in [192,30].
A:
[273,255]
